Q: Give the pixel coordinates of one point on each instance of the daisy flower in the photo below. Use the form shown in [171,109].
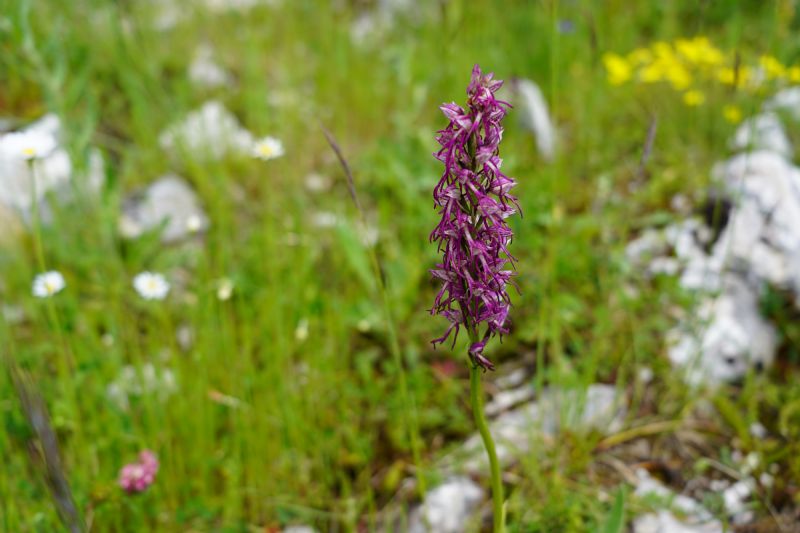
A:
[268,148]
[225,289]
[27,145]
[47,284]
[151,286]
[194,223]
[301,331]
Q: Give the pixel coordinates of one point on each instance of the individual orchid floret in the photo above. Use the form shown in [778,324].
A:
[473,200]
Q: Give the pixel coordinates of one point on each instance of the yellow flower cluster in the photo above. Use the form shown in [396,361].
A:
[691,65]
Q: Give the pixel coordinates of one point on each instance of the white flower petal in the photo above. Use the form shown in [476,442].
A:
[268,148]
[151,285]
[48,284]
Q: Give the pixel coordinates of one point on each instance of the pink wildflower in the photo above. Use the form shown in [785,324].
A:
[136,477]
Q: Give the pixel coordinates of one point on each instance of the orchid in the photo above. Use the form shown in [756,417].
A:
[474,201]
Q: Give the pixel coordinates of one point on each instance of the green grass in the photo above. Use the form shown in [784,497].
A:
[321,434]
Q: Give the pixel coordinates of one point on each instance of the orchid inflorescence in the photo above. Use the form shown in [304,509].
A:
[474,201]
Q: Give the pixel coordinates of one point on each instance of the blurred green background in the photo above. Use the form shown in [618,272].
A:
[287,405]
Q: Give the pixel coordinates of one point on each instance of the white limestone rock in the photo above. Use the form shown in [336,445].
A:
[170,201]
[763,234]
[787,101]
[447,508]
[516,430]
[299,529]
[374,24]
[534,115]
[53,172]
[697,520]
[665,522]
[211,132]
[763,132]
[205,72]
[727,338]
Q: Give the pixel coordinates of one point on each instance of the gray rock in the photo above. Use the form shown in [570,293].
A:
[698,519]
[759,246]
[299,529]
[735,499]
[170,13]
[170,201]
[650,244]
[53,173]
[665,522]
[787,101]
[763,235]
[447,508]
[515,431]
[211,132]
[374,24]
[205,72]
[727,338]
[241,6]
[505,399]
[515,378]
[535,116]
[762,132]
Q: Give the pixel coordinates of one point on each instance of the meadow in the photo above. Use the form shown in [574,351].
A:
[287,376]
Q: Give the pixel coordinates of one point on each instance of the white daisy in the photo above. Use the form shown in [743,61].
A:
[47,284]
[301,331]
[194,223]
[151,286]
[27,145]
[267,148]
[225,289]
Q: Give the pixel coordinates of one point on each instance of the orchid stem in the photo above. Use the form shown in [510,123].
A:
[476,397]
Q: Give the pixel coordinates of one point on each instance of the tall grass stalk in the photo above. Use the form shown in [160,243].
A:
[410,414]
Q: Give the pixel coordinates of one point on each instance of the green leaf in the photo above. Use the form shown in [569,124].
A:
[356,255]
[615,523]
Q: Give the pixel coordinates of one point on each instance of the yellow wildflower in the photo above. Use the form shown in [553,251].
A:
[619,71]
[663,51]
[640,56]
[793,74]
[678,75]
[773,68]
[727,76]
[732,114]
[699,51]
[694,98]
[652,73]
[735,76]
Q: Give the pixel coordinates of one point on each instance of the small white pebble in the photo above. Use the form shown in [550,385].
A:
[758,430]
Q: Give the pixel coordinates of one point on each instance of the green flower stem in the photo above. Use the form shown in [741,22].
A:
[35,222]
[67,360]
[476,398]
[476,394]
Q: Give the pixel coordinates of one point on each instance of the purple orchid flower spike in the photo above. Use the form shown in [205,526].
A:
[473,200]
